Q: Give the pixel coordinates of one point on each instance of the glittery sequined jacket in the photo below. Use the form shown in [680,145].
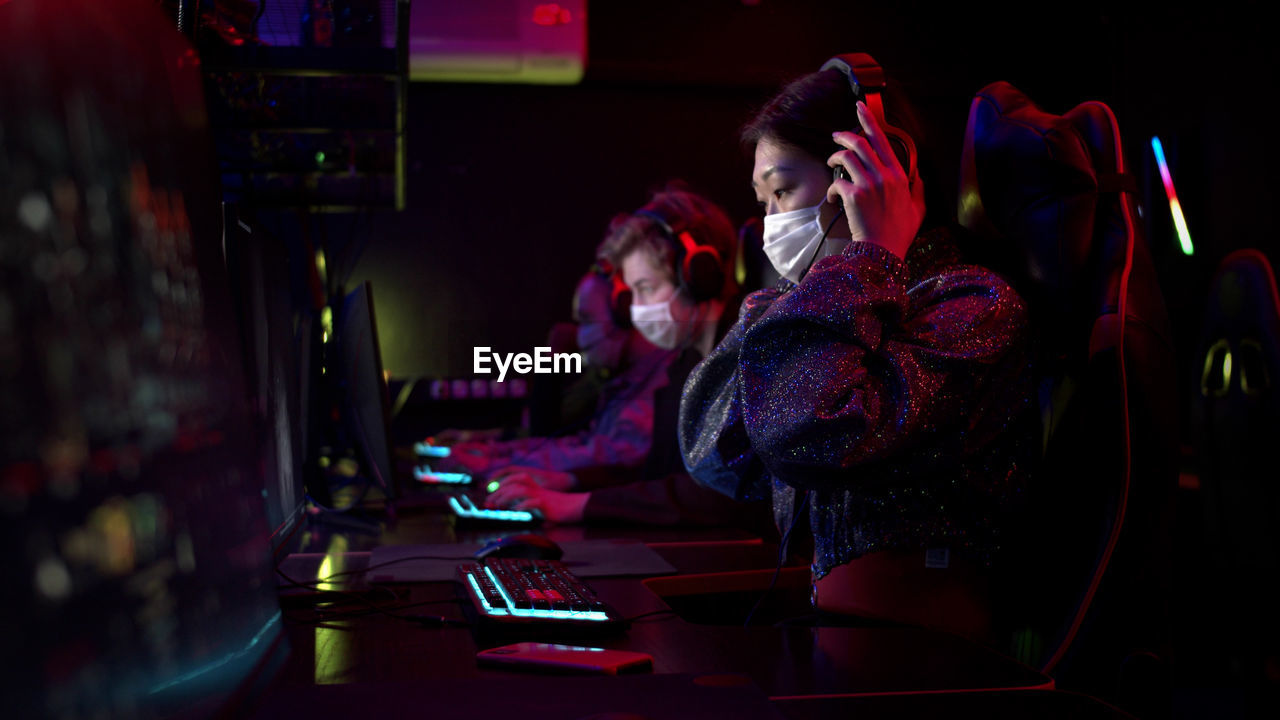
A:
[897,393]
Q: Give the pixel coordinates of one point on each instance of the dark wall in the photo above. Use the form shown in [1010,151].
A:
[510,187]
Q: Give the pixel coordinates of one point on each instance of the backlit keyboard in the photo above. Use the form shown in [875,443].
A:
[519,591]
[428,450]
[465,509]
[425,474]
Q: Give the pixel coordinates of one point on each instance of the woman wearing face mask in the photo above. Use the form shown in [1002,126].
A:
[676,256]
[880,394]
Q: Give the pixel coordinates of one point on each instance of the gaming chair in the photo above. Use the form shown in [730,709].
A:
[1236,418]
[1085,583]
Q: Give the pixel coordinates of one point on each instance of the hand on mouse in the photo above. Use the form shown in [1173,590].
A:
[518,491]
[549,479]
[882,204]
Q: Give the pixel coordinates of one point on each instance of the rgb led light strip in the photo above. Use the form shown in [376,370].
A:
[1175,207]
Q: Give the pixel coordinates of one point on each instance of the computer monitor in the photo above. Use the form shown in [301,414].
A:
[138,578]
[365,405]
[275,323]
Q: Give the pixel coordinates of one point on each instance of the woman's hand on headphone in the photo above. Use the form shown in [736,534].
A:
[882,204]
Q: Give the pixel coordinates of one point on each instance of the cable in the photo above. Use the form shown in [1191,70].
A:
[359,571]
[464,558]
[355,613]
[822,242]
[782,555]
[344,593]
[372,607]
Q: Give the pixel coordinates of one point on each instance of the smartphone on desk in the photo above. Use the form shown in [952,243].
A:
[555,658]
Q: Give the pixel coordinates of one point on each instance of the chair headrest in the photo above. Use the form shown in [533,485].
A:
[1049,196]
[1243,301]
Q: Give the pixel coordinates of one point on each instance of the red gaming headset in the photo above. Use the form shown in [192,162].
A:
[867,80]
[698,266]
[619,293]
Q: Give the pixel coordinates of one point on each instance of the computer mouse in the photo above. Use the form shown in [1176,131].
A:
[524,545]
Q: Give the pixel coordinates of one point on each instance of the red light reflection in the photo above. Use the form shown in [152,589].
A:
[551,14]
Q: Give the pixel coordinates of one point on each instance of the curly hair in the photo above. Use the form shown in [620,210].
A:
[688,211]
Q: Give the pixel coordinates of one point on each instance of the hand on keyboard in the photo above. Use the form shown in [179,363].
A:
[549,479]
[519,491]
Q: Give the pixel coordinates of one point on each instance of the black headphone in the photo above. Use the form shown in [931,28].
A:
[698,266]
[866,78]
[619,293]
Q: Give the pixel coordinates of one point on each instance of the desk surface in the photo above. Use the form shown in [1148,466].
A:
[347,644]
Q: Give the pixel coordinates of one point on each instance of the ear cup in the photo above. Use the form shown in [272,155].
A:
[701,271]
[698,267]
[619,294]
[903,147]
[620,303]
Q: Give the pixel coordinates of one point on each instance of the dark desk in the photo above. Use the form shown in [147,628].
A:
[795,667]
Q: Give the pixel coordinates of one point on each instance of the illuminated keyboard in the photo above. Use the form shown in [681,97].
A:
[426,475]
[519,592]
[427,450]
[465,509]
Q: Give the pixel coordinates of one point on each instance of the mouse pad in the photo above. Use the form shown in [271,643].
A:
[584,558]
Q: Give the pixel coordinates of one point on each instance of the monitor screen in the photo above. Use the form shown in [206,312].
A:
[366,405]
[137,580]
[275,331]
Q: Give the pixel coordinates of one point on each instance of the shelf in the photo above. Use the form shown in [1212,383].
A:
[277,112]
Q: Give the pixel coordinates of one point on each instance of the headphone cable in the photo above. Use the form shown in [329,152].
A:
[821,243]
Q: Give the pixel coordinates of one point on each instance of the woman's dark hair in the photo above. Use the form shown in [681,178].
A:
[810,108]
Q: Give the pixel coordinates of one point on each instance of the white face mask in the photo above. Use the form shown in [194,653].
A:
[656,323]
[790,240]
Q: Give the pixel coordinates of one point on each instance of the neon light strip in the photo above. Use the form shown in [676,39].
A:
[424,474]
[592,615]
[471,511]
[1175,207]
[425,450]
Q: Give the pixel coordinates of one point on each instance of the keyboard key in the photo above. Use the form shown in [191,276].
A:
[517,591]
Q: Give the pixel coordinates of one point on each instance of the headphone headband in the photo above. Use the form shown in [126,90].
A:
[864,73]
[661,221]
[867,80]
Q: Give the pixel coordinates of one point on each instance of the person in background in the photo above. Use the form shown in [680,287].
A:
[676,254]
